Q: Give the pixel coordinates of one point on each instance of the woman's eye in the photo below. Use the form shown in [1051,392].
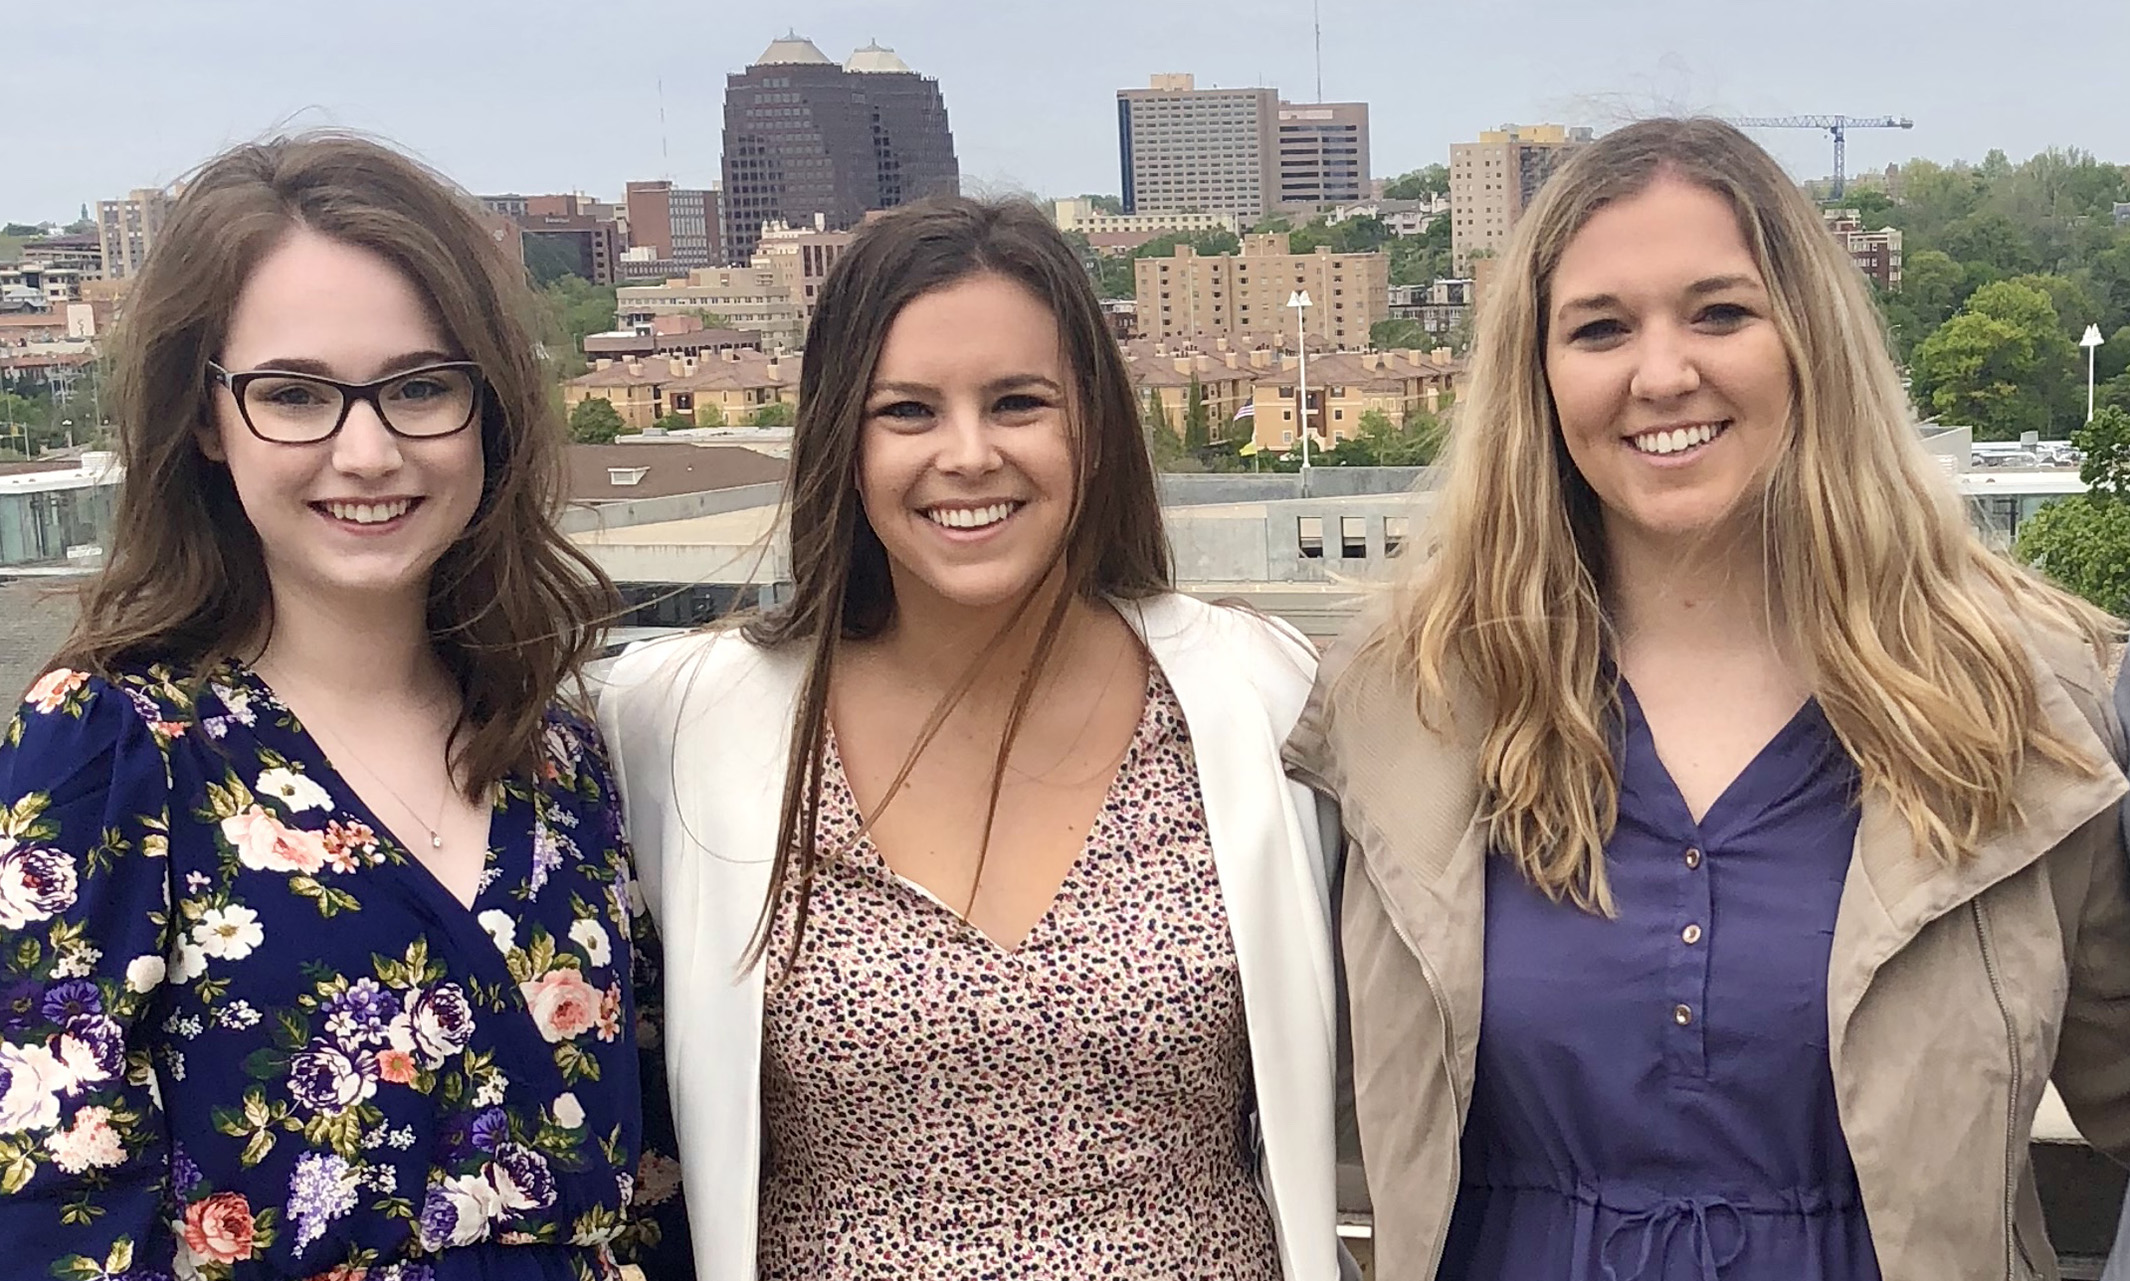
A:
[902,409]
[1021,404]
[1597,331]
[1725,314]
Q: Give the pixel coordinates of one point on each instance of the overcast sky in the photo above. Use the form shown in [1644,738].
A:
[538,95]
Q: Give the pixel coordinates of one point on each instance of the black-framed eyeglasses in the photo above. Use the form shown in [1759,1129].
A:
[302,409]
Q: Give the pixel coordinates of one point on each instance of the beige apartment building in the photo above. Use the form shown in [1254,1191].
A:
[127,229]
[737,384]
[773,295]
[1344,387]
[1493,180]
[1243,297]
[1079,214]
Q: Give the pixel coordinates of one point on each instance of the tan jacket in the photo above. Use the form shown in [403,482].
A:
[1954,994]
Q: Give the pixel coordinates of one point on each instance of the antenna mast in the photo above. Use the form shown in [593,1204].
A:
[1316,21]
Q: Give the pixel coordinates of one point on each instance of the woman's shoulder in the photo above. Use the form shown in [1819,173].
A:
[660,687]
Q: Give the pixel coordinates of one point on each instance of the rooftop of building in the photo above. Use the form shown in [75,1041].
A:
[35,615]
[876,59]
[622,473]
[793,49]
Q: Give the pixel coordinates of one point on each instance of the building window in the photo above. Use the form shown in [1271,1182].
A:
[1353,537]
[1309,532]
[1394,528]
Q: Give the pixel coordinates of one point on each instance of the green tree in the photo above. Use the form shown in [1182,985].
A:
[1399,335]
[674,422]
[574,310]
[776,413]
[1105,204]
[1419,184]
[2105,442]
[711,414]
[1197,431]
[2084,544]
[2003,365]
[1161,439]
[595,421]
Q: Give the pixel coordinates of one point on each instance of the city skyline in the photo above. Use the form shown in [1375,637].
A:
[509,99]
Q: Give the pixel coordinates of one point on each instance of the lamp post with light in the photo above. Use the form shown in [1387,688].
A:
[2091,342]
[1299,300]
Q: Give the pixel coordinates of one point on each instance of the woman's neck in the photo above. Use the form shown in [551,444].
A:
[934,642]
[355,653]
[1711,591]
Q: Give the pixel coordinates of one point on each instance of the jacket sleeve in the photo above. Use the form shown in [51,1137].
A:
[84,932]
[2093,1056]
[656,1243]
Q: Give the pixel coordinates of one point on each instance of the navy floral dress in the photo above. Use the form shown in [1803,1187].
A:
[245,1034]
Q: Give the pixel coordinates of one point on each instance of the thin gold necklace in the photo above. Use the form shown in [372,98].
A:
[436,839]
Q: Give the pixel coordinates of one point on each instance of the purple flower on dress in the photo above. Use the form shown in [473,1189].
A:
[324,1079]
[361,1015]
[93,1048]
[36,883]
[184,1172]
[521,1177]
[20,1001]
[441,1021]
[71,998]
[490,1128]
[320,1191]
[440,1217]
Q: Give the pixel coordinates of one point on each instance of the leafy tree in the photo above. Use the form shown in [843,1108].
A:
[1397,335]
[1161,439]
[595,421]
[1197,432]
[711,319]
[776,413]
[2003,365]
[2084,544]
[1105,204]
[2105,442]
[22,229]
[711,414]
[1419,184]
[674,422]
[1416,260]
[575,309]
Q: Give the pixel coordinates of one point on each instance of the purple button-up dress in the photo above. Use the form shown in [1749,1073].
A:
[1654,1100]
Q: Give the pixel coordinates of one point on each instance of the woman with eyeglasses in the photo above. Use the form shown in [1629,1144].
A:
[315,936]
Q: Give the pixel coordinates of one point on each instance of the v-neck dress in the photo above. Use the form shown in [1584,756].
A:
[1653,1099]
[245,1034]
[939,1106]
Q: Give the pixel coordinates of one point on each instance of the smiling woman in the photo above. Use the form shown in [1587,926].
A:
[316,950]
[1003,934]
[1733,840]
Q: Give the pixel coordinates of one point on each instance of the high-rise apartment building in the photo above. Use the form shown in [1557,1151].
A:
[1323,154]
[678,223]
[1238,152]
[807,138]
[127,229]
[1493,180]
[1186,149]
[1243,297]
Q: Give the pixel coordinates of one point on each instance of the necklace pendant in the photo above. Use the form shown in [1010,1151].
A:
[435,842]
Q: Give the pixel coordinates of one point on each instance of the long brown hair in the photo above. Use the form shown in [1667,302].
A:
[841,587]
[514,609]
[1899,610]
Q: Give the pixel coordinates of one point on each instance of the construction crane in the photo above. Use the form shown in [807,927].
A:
[1839,126]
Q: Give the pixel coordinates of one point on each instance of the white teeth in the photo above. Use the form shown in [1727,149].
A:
[1675,440]
[369,513]
[969,517]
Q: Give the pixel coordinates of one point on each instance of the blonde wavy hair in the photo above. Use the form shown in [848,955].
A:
[1907,624]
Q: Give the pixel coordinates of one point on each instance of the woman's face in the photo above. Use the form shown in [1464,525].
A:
[1671,381]
[965,459]
[364,515]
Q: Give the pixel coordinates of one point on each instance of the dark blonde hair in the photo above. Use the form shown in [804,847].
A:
[1899,610]
[514,608]
[841,588]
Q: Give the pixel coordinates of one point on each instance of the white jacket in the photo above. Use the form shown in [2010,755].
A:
[699,728]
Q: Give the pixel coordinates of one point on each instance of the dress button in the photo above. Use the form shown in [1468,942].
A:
[1682,1014]
[1692,935]
[1693,858]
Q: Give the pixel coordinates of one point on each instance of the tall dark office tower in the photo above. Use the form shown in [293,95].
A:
[806,139]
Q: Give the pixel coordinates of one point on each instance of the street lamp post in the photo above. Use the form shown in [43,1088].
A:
[1299,300]
[2091,342]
